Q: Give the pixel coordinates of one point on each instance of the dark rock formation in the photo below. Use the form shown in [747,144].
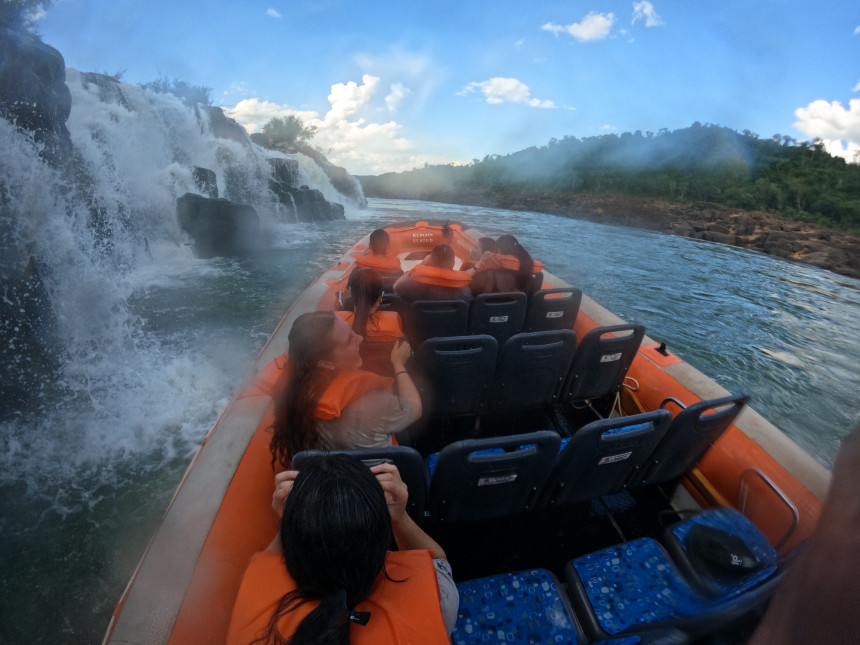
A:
[33,92]
[217,226]
[205,181]
[311,206]
[226,128]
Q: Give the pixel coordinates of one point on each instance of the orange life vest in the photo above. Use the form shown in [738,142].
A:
[386,264]
[347,386]
[401,613]
[425,274]
[382,326]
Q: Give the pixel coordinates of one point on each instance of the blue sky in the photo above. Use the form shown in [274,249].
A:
[395,85]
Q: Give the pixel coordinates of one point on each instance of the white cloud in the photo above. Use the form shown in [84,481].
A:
[273,13]
[398,92]
[837,127]
[644,10]
[857,30]
[507,90]
[595,26]
[856,87]
[348,140]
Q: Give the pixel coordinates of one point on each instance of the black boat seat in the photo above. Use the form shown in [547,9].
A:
[600,364]
[483,479]
[550,309]
[409,463]
[500,315]
[520,607]
[531,370]
[603,457]
[435,318]
[454,374]
[691,433]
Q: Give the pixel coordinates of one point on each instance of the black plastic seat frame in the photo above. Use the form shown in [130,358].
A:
[531,370]
[501,315]
[454,374]
[603,457]
[471,486]
[436,318]
[550,309]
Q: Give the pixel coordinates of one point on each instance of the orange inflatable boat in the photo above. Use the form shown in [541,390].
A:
[183,589]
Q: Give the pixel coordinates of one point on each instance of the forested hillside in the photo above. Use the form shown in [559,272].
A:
[702,163]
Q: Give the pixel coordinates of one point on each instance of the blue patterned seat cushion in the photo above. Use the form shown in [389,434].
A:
[732,521]
[636,584]
[524,607]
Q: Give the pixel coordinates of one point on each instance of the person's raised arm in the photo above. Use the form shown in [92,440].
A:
[283,485]
[406,389]
[406,532]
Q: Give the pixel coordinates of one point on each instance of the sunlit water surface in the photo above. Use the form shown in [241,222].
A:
[83,487]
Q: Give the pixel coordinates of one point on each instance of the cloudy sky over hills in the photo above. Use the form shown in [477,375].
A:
[395,85]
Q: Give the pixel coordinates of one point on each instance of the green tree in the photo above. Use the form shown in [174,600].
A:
[288,131]
[191,95]
[21,14]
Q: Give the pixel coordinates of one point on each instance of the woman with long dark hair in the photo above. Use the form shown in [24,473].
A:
[324,400]
[509,268]
[365,319]
[328,576]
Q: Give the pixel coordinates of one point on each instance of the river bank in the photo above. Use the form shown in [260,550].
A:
[756,230]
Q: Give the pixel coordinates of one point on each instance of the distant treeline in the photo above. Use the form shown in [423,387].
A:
[706,163]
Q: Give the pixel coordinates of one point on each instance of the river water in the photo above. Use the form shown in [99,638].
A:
[159,348]
[83,487]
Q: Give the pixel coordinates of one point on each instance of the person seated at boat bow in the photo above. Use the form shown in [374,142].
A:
[378,257]
[509,268]
[324,400]
[366,320]
[328,576]
[435,279]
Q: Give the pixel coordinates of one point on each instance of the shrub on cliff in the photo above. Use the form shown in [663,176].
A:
[21,14]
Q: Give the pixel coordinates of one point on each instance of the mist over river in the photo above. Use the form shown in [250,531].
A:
[84,484]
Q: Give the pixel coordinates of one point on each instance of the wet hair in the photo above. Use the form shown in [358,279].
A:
[300,387]
[487,244]
[379,241]
[508,245]
[335,532]
[365,290]
[442,257]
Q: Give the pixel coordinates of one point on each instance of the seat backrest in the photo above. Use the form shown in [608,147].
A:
[454,375]
[391,302]
[483,479]
[553,309]
[602,359]
[500,315]
[603,457]
[435,318]
[408,461]
[689,436]
[531,369]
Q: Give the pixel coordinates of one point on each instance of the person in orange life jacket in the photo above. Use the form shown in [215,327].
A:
[328,576]
[434,279]
[510,268]
[324,400]
[486,246]
[366,321]
[378,257]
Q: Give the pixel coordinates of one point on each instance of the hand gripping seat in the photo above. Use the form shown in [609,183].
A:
[500,315]
[455,374]
[531,370]
[601,362]
[603,457]
[691,433]
[550,309]
[483,479]
[522,608]
[409,463]
[431,318]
